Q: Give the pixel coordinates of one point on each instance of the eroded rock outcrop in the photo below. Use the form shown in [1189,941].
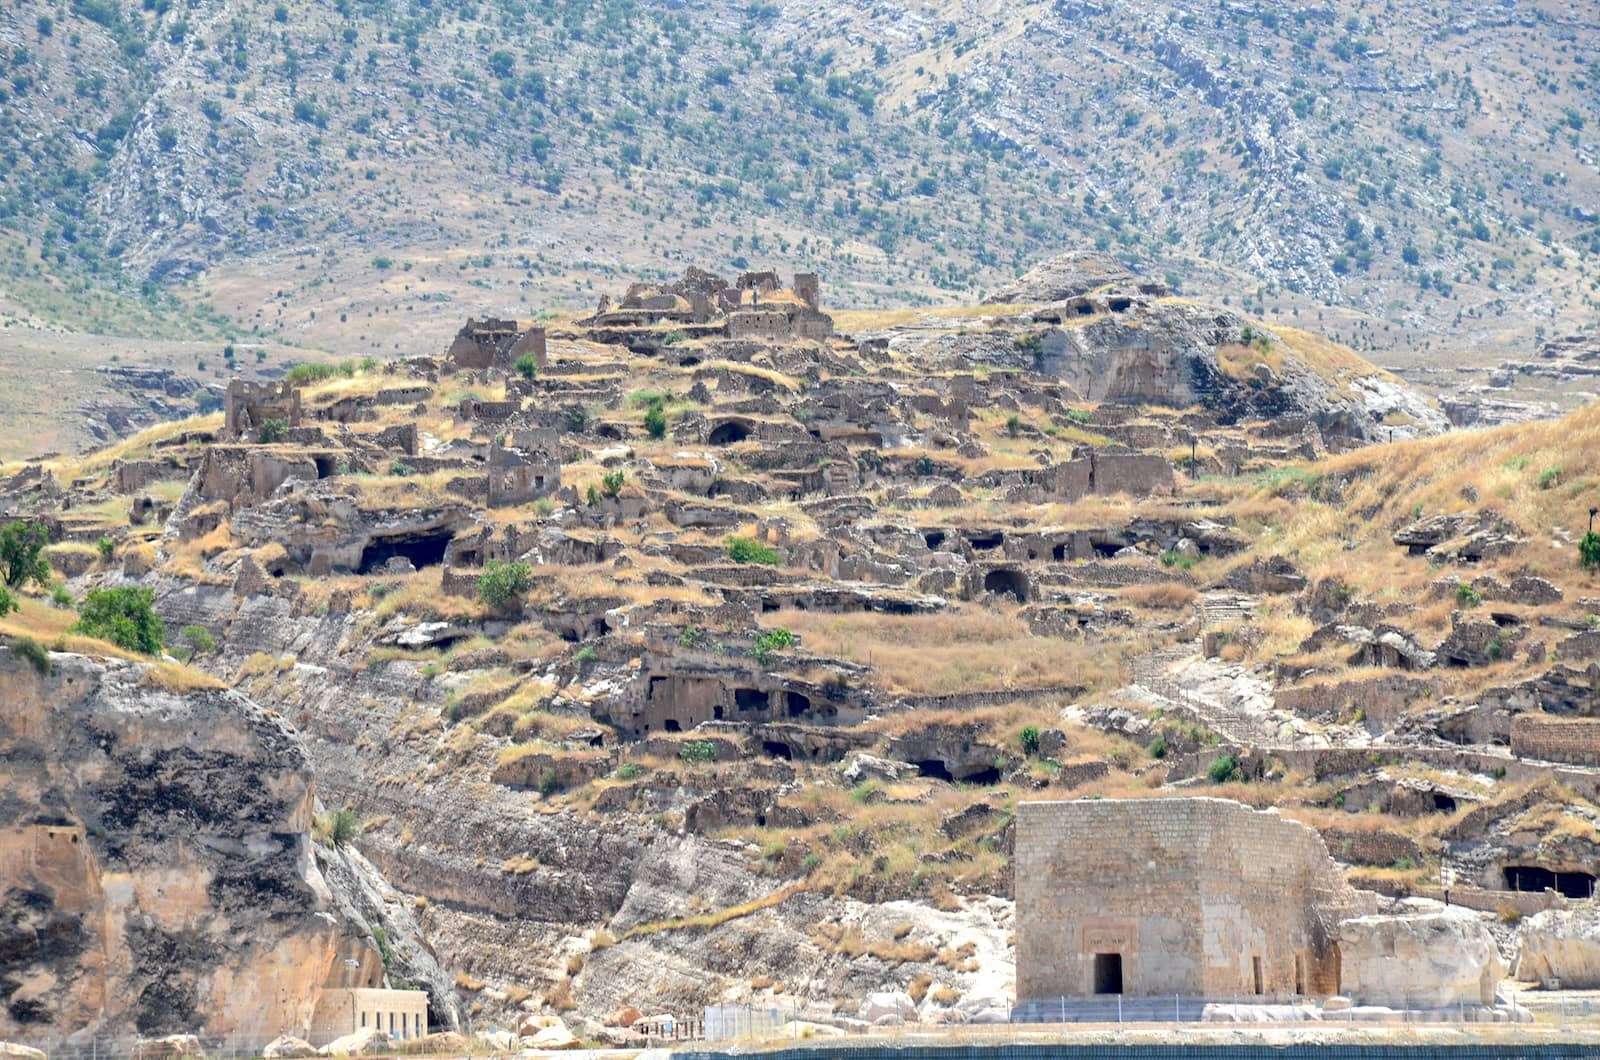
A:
[156,873]
[1560,946]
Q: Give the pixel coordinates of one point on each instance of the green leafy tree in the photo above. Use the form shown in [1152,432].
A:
[655,421]
[271,431]
[1030,739]
[125,616]
[612,483]
[199,639]
[1589,550]
[745,550]
[21,548]
[502,584]
[8,603]
[527,366]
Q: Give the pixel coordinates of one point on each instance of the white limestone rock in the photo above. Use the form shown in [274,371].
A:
[288,1047]
[1438,959]
[1560,944]
[368,1041]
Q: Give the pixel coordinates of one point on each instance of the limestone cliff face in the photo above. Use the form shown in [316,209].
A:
[156,873]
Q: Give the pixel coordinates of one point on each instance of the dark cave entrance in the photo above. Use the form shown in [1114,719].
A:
[1010,582]
[1538,878]
[425,548]
[728,433]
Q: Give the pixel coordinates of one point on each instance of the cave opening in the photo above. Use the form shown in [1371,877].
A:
[777,749]
[728,433]
[797,703]
[1536,878]
[749,699]
[1008,582]
[424,548]
[936,769]
[985,542]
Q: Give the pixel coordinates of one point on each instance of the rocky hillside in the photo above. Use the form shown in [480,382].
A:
[334,169]
[159,872]
[665,668]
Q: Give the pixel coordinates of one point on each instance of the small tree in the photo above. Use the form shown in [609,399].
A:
[502,584]
[106,547]
[768,642]
[1029,736]
[8,603]
[345,827]
[125,616]
[612,483]
[271,431]
[21,545]
[527,366]
[198,639]
[745,550]
[1589,550]
[655,421]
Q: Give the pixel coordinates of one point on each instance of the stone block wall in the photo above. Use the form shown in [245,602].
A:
[1193,896]
[401,1014]
[1551,739]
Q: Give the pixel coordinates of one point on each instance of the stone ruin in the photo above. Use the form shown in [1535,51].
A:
[248,404]
[492,343]
[755,306]
[1207,898]
[523,467]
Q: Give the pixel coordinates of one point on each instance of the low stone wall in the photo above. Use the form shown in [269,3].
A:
[1575,741]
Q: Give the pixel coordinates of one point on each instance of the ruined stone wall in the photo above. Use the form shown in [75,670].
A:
[1189,893]
[759,324]
[1137,474]
[1572,740]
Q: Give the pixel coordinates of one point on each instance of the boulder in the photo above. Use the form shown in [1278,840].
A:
[894,1005]
[288,1047]
[1560,945]
[864,767]
[796,1030]
[1424,960]
[552,1038]
[368,1041]
[169,1046]
[531,1025]
[13,1051]
[626,1016]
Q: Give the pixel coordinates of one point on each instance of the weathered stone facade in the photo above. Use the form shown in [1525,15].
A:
[1194,896]
[495,343]
[248,404]
[401,1014]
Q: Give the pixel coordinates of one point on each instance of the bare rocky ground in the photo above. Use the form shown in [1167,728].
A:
[749,723]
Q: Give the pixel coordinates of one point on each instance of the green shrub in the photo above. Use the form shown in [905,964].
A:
[696,751]
[592,495]
[106,547]
[502,584]
[691,637]
[345,827]
[199,639]
[1029,736]
[547,782]
[527,366]
[35,653]
[1588,551]
[1157,747]
[124,616]
[745,550]
[1170,558]
[768,642]
[21,548]
[8,603]
[673,338]
[399,468]
[655,421]
[62,598]
[1550,477]
[1223,769]
[586,654]
[271,431]
[611,483]
[1467,596]
[303,374]
[629,771]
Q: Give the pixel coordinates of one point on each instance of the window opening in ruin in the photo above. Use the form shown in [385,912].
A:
[671,725]
[728,433]
[424,549]
[1118,305]
[1108,973]
[1059,553]
[1107,548]
[1536,878]
[716,712]
[1443,803]
[327,466]
[1009,582]
[984,542]
[1255,970]
[749,699]
[363,1019]
[935,768]
[797,703]
[1085,309]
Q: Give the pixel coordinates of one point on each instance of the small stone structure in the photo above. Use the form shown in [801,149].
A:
[248,404]
[1194,896]
[401,1014]
[525,467]
[754,307]
[495,343]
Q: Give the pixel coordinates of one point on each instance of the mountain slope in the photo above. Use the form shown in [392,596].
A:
[333,169]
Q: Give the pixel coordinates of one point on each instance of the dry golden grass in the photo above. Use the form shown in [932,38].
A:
[965,650]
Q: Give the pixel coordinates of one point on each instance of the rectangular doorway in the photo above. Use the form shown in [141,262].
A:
[1108,973]
[1300,972]
[1255,968]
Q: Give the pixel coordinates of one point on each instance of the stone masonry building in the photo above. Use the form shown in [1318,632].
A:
[1194,896]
